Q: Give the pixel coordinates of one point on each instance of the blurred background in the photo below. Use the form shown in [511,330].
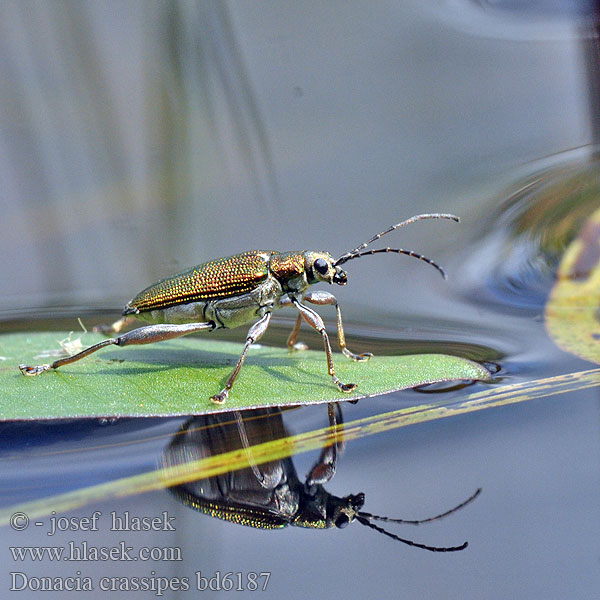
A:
[138,138]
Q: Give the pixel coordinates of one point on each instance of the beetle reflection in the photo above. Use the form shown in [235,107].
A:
[271,495]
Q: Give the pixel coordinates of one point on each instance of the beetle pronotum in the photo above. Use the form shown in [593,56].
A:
[232,291]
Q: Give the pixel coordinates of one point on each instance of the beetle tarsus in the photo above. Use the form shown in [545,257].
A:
[220,397]
[357,357]
[32,371]
[347,387]
[344,387]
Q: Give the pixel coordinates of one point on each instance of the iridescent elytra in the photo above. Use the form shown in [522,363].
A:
[240,289]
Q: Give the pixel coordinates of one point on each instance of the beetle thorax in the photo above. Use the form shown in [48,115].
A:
[288,269]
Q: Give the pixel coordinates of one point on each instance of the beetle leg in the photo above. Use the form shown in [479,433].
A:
[269,482]
[322,298]
[142,335]
[292,342]
[254,333]
[324,469]
[315,321]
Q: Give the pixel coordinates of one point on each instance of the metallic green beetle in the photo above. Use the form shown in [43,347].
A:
[239,289]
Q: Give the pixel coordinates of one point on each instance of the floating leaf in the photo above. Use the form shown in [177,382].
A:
[573,309]
[304,442]
[178,377]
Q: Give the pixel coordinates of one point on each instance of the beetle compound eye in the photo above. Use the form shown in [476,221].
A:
[321,266]
[342,521]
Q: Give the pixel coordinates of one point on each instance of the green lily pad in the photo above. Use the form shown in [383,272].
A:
[209,466]
[178,377]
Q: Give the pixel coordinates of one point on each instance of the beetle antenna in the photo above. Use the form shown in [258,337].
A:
[392,228]
[437,517]
[365,521]
[347,257]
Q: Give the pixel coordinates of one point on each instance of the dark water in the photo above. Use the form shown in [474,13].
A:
[534,531]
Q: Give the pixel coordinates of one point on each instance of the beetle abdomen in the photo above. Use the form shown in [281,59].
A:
[221,278]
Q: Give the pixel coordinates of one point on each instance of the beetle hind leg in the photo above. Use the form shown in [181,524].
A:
[142,335]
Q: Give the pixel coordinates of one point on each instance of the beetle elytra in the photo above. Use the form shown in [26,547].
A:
[236,290]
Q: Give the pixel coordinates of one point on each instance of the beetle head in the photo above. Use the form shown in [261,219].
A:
[341,511]
[320,266]
[321,510]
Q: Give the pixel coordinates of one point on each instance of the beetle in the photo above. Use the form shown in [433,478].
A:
[235,290]
[271,495]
